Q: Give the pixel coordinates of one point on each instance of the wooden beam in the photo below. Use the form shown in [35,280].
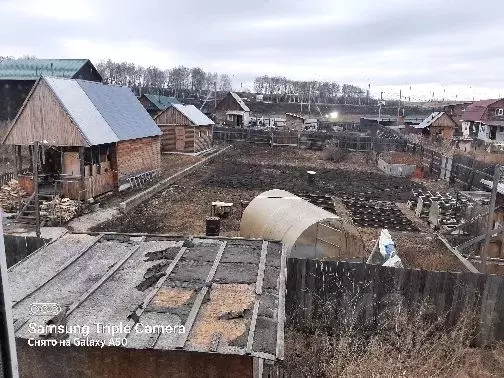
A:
[457,254]
[262,266]
[281,305]
[182,338]
[215,264]
[36,152]
[250,338]
[156,288]
[484,248]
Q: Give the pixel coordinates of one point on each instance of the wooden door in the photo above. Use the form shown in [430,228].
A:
[180,138]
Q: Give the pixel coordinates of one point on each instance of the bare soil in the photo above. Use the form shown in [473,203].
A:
[245,171]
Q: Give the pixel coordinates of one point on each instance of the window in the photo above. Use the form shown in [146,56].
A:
[501,129]
[199,134]
[500,112]
[229,117]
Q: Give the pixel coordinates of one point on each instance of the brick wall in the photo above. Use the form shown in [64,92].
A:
[138,156]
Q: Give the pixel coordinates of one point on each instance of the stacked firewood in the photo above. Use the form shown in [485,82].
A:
[60,210]
[11,195]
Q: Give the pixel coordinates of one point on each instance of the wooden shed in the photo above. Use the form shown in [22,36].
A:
[93,137]
[437,125]
[232,110]
[185,129]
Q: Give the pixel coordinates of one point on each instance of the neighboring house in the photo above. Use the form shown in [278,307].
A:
[437,125]
[456,112]
[232,110]
[484,120]
[179,307]
[17,77]
[94,137]
[154,104]
[185,129]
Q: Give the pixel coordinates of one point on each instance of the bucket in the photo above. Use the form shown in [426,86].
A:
[212,226]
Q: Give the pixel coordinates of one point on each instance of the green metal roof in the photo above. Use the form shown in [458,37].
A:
[32,69]
[161,102]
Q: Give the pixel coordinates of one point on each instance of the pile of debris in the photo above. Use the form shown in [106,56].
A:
[11,195]
[60,210]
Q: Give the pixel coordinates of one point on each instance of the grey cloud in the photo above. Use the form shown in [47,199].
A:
[443,41]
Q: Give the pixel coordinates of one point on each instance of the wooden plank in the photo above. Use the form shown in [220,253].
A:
[182,338]
[104,278]
[216,262]
[250,338]
[262,266]
[86,248]
[156,288]
[281,305]
[462,259]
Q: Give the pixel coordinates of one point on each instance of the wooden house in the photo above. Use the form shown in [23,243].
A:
[155,104]
[93,137]
[185,129]
[17,77]
[437,125]
[232,111]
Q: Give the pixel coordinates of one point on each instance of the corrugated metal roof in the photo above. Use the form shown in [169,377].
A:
[125,115]
[476,110]
[32,69]
[429,120]
[228,293]
[83,112]
[240,102]
[161,102]
[194,115]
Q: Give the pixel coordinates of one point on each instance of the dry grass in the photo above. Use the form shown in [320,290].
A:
[406,343]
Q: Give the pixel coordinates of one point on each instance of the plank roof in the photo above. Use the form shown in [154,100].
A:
[228,293]
[32,69]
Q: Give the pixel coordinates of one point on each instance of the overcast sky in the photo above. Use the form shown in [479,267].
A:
[449,47]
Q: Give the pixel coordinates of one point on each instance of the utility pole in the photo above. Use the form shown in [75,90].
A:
[215,95]
[399,108]
[309,100]
[491,210]
[36,187]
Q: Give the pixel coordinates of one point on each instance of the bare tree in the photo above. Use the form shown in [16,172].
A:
[225,84]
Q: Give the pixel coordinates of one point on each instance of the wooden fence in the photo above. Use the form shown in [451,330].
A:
[6,177]
[330,294]
[305,139]
[461,171]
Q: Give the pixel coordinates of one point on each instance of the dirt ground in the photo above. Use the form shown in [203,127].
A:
[243,173]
